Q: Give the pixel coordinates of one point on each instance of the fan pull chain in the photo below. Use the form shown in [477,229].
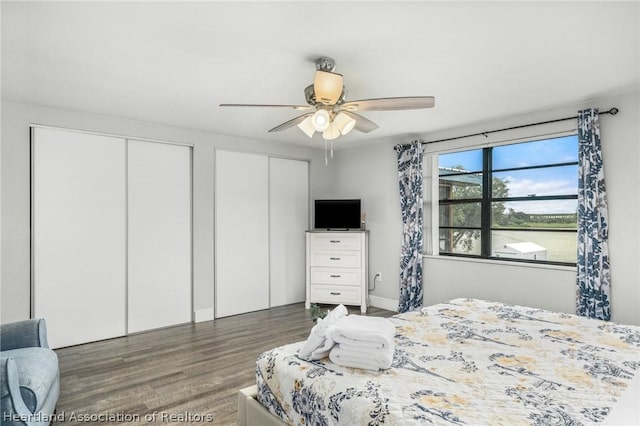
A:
[331,143]
[326,162]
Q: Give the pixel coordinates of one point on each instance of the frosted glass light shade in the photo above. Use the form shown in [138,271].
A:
[327,87]
[331,133]
[321,120]
[306,126]
[344,123]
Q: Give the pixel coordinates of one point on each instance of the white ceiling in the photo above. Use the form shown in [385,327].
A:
[174,62]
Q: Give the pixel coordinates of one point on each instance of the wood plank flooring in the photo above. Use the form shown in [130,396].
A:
[191,372]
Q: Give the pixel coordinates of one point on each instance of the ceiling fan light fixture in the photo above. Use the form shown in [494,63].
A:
[344,123]
[307,127]
[331,133]
[328,112]
[321,120]
[327,87]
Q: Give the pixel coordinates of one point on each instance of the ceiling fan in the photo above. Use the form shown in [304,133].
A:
[329,111]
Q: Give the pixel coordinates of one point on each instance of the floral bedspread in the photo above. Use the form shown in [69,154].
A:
[464,362]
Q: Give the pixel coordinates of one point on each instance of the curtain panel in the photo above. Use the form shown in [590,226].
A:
[411,205]
[593,275]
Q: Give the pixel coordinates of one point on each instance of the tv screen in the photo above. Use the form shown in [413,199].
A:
[337,214]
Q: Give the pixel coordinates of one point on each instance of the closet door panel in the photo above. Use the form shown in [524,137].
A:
[159,235]
[78,234]
[242,233]
[288,220]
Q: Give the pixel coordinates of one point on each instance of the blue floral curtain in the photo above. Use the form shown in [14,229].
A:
[410,182]
[594,281]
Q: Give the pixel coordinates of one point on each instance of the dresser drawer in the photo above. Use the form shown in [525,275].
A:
[331,241]
[337,276]
[335,294]
[341,259]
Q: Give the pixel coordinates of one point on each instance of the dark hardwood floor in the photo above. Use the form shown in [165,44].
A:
[191,372]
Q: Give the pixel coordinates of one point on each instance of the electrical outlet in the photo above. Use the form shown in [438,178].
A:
[379,276]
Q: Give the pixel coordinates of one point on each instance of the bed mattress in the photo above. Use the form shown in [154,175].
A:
[464,362]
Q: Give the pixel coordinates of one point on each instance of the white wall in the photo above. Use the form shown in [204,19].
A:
[15,175]
[370,173]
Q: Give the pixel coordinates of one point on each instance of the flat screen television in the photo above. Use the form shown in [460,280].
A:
[337,214]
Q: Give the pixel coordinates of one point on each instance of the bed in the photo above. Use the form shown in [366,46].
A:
[463,362]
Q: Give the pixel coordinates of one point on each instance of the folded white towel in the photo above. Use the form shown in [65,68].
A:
[360,348]
[375,359]
[320,342]
[358,332]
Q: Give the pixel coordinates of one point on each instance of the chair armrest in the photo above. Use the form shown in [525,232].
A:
[23,334]
[12,402]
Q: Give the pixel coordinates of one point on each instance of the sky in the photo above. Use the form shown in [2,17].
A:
[547,181]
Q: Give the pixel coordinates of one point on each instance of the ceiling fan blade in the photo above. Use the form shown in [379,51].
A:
[291,122]
[390,104]
[296,107]
[363,124]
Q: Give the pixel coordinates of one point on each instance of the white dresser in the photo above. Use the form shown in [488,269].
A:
[337,268]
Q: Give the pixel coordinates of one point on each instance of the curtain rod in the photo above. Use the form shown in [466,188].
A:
[612,111]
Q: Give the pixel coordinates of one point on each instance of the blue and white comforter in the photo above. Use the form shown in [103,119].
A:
[465,362]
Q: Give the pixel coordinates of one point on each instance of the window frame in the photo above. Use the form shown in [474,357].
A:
[486,200]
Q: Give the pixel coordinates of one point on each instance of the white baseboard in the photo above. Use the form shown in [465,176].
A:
[201,315]
[383,303]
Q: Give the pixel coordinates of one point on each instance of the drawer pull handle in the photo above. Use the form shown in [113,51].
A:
[334,241]
[335,293]
[335,276]
[334,258]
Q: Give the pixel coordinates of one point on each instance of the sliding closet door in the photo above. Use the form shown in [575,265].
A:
[78,232]
[288,221]
[159,235]
[242,233]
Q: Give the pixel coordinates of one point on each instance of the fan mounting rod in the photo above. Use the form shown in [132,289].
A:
[325,64]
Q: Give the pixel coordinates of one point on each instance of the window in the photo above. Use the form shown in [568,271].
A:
[516,201]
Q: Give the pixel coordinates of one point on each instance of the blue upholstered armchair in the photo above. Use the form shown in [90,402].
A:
[30,378]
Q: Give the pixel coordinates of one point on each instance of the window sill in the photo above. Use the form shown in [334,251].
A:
[502,262]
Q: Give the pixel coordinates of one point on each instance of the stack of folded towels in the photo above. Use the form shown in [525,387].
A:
[351,340]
